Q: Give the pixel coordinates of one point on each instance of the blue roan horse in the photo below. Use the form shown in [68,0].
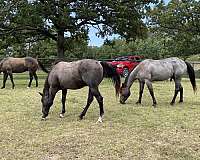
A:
[75,75]
[158,70]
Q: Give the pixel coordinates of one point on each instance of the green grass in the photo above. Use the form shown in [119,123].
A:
[129,131]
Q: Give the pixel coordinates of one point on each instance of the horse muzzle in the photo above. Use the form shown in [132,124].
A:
[122,101]
[44,116]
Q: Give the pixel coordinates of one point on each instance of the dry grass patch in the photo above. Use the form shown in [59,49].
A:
[128,132]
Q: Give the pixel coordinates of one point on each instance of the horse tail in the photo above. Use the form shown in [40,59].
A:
[191,74]
[110,72]
[42,67]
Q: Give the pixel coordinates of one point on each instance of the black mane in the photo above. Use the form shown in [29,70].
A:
[126,79]
[46,85]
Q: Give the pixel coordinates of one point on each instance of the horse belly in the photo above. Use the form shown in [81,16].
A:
[19,69]
[72,84]
[161,75]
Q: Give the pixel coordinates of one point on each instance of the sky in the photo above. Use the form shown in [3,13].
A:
[97,41]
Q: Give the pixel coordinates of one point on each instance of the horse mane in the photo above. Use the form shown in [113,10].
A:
[126,79]
[46,85]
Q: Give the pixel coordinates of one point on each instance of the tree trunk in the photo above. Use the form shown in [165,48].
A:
[60,44]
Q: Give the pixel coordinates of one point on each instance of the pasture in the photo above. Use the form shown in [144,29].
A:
[129,131]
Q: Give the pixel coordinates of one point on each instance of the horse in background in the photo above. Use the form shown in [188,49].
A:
[12,65]
[158,70]
[76,75]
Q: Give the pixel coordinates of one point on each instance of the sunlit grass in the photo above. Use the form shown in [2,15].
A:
[129,131]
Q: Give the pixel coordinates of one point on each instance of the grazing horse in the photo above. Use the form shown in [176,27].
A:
[76,75]
[12,65]
[158,70]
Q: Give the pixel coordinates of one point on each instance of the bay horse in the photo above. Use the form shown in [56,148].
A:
[158,70]
[12,65]
[75,75]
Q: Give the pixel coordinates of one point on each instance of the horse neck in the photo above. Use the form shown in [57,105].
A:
[131,78]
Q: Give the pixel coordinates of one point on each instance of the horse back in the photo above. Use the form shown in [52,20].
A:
[158,70]
[155,70]
[77,74]
[15,65]
[18,65]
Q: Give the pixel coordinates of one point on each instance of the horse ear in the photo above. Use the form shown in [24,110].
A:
[40,93]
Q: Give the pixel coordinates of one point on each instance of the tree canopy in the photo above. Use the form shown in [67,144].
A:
[179,23]
[68,22]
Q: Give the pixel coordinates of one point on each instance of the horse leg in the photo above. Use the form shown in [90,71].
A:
[36,79]
[99,99]
[150,87]
[64,93]
[31,78]
[89,101]
[181,94]
[5,76]
[11,78]
[141,92]
[177,89]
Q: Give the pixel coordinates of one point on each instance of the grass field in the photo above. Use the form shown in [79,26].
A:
[128,132]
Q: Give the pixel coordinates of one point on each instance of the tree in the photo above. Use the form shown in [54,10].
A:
[179,22]
[67,22]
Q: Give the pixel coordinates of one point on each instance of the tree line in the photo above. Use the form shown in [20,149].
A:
[59,29]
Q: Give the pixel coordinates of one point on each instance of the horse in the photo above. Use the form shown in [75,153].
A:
[12,65]
[76,75]
[158,70]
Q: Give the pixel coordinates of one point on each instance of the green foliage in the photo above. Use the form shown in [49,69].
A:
[152,47]
[179,22]
[68,22]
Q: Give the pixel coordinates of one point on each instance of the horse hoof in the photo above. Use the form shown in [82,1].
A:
[154,105]
[172,103]
[122,102]
[100,120]
[43,119]
[61,115]
[28,87]
[80,117]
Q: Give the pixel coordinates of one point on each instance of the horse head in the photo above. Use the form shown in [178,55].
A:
[124,93]
[46,104]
